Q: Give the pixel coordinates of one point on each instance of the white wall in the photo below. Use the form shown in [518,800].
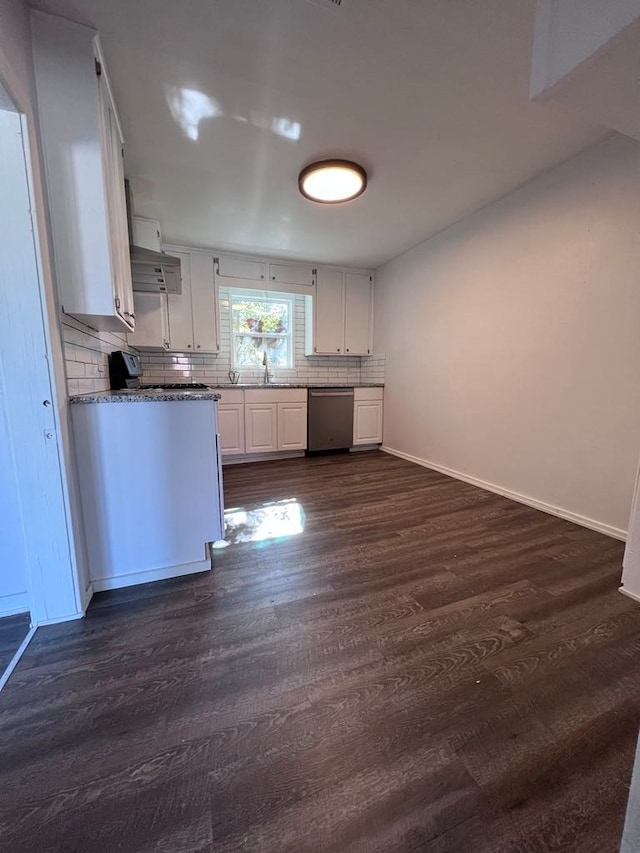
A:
[512,339]
[569,31]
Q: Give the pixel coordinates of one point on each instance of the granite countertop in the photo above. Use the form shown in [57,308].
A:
[138,395]
[277,385]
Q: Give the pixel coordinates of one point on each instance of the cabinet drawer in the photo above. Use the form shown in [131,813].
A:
[365,394]
[275,395]
[230,396]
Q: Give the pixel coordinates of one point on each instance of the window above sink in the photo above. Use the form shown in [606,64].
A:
[261,322]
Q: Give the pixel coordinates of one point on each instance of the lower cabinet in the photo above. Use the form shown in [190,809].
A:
[231,421]
[262,420]
[260,427]
[367,416]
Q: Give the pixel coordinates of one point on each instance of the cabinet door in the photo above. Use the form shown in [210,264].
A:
[291,274]
[180,314]
[367,422]
[358,293]
[204,305]
[231,426]
[328,313]
[116,207]
[146,233]
[292,426]
[152,321]
[260,427]
[239,268]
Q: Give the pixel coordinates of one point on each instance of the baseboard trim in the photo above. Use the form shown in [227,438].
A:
[104,584]
[567,515]
[12,605]
[4,677]
[633,595]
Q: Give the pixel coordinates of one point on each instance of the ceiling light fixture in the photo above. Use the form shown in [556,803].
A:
[332,181]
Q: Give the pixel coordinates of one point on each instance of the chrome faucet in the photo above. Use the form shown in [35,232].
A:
[265,362]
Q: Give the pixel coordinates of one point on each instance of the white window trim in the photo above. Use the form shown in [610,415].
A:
[255,296]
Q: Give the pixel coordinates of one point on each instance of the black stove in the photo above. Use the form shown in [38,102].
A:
[176,386]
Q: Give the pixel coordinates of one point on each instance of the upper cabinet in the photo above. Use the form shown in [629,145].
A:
[185,322]
[228,267]
[339,317]
[291,274]
[83,154]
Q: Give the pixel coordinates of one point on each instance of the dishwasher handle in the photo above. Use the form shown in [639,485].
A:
[347,392]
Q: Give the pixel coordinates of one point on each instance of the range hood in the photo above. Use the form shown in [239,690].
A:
[151,271]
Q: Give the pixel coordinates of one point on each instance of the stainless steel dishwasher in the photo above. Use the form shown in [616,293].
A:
[330,414]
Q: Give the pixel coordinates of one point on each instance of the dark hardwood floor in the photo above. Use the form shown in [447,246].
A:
[427,667]
[13,630]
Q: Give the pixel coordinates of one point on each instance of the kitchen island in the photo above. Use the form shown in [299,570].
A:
[150,483]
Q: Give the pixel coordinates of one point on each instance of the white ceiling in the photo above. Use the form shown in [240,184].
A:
[224,101]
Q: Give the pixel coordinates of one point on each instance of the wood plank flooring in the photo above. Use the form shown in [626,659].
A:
[13,630]
[427,667]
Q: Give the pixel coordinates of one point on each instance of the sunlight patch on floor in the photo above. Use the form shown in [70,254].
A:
[268,521]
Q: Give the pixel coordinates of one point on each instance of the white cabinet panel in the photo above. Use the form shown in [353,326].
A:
[231,426]
[260,422]
[292,426]
[228,267]
[180,316]
[204,304]
[357,314]
[291,274]
[152,321]
[328,313]
[146,233]
[367,422]
[82,147]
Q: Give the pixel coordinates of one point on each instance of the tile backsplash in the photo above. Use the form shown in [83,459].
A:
[85,353]
[214,369]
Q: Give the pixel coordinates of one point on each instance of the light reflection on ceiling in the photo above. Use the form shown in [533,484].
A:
[268,521]
[189,107]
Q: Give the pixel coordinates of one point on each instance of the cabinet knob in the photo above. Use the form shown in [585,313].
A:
[189,346]
[338,350]
[347,350]
[198,346]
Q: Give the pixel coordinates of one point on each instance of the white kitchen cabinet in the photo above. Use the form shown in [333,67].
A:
[231,267]
[82,146]
[261,427]
[325,320]
[231,421]
[291,274]
[367,416]
[193,314]
[292,426]
[152,321]
[146,233]
[180,310]
[339,316]
[358,314]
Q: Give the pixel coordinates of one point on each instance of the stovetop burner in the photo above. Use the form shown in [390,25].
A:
[176,386]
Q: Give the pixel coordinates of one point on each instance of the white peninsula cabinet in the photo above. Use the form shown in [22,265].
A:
[339,316]
[262,420]
[83,157]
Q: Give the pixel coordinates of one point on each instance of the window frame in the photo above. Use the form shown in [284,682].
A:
[251,295]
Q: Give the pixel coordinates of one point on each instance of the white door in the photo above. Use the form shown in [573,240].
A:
[260,425]
[146,233]
[29,406]
[231,427]
[367,422]
[204,304]
[328,313]
[180,314]
[292,426]
[358,292]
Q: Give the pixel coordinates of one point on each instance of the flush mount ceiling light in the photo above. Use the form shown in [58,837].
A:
[332,181]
